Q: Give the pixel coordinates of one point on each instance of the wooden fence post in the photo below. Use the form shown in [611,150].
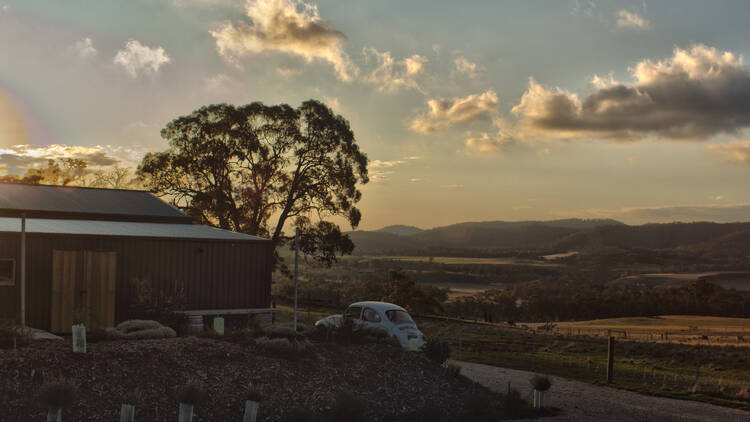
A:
[610,359]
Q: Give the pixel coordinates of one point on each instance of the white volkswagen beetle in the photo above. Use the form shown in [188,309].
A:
[386,316]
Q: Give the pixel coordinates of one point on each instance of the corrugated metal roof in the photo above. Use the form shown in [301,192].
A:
[121,228]
[52,201]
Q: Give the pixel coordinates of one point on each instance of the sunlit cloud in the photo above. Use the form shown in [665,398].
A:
[467,68]
[286,72]
[667,214]
[390,74]
[284,26]
[380,170]
[444,114]
[137,58]
[495,143]
[737,151]
[19,158]
[695,94]
[84,48]
[631,20]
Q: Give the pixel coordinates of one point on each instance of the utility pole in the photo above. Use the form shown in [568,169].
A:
[22,265]
[296,273]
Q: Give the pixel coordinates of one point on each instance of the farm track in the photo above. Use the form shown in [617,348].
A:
[579,401]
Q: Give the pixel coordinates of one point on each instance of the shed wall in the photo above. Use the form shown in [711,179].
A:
[214,274]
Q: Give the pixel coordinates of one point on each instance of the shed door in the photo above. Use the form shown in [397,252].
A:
[83,284]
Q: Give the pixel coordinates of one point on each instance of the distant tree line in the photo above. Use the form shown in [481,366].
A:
[579,300]
[76,172]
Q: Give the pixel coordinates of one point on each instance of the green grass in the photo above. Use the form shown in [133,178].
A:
[657,369]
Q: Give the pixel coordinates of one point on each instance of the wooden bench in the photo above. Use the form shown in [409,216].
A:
[264,316]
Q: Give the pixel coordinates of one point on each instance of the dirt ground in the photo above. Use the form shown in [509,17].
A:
[579,401]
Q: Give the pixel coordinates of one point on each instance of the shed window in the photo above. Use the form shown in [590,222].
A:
[7,272]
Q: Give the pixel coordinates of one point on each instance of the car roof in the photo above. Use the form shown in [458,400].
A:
[380,306]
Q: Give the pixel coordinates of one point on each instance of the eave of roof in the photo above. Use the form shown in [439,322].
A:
[77,227]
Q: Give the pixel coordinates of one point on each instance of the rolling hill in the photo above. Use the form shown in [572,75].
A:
[703,238]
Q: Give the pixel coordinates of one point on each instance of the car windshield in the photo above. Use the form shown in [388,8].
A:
[399,317]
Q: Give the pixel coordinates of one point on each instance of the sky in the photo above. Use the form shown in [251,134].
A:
[468,111]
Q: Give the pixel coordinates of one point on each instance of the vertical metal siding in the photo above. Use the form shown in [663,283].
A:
[226,275]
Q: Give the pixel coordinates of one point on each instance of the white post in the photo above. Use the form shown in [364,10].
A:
[251,411]
[296,273]
[186,412]
[22,270]
[127,413]
[79,338]
[54,415]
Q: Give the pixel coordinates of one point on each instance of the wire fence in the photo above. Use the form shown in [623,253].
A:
[710,371]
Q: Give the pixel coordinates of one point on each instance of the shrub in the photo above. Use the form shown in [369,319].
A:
[283,330]
[347,408]
[159,302]
[480,407]
[513,404]
[192,392]
[453,369]
[540,382]
[283,346]
[58,394]
[437,351]
[12,335]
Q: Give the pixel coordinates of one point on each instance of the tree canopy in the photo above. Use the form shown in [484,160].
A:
[254,167]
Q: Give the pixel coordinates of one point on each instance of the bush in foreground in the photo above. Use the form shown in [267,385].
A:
[437,351]
[58,394]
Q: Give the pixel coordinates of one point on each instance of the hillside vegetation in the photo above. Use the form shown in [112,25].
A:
[499,237]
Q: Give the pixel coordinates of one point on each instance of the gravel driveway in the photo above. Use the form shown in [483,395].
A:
[585,402]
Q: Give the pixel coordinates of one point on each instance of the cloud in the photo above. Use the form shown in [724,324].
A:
[84,48]
[583,8]
[381,164]
[284,26]
[444,114]
[19,158]
[4,8]
[286,72]
[380,170]
[464,66]
[669,214]
[631,20]
[694,94]
[334,104]
[392,74]
[138,58]
[737,151]
[491,143]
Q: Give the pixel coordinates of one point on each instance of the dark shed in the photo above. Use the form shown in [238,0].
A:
[90,249]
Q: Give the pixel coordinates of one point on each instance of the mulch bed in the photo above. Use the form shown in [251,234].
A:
[388,379]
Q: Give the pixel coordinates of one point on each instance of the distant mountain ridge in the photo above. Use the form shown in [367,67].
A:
[568,234]
[401,230]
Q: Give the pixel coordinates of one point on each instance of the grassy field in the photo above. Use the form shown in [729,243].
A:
[459,260]
[681,329]
[715,374]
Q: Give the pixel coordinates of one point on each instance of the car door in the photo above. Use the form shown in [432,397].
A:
[371,318]
[354,313]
